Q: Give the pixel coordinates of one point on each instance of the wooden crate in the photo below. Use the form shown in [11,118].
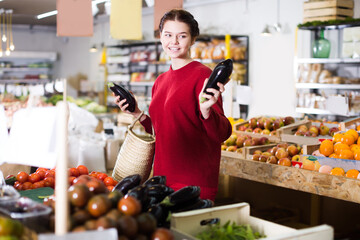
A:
[350,123]
[328,10]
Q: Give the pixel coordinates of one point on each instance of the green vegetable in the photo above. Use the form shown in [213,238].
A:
[10,180]
[348,20]
[229,232]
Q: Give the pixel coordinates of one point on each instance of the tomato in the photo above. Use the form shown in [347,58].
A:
[71,180]
[49,182]
[39,184]
[34,177]
[162,234]
[73,172]
[93,174]
[17,185]
[27,186]
[101,176]
[129,206]
[41,169]
[82,179]
[22,177]
[83,170]
[96,186]
[41,173]
[109,181]
[110,188]
[50,173]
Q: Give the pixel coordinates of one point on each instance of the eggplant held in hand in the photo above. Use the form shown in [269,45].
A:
[221,74]
[123,93]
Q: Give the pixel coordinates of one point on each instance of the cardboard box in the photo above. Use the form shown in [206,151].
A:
[187,225]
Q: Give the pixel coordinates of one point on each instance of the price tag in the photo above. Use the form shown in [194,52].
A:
[108,234]
[243,94]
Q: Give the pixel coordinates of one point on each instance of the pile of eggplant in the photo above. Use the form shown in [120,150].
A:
[160,200]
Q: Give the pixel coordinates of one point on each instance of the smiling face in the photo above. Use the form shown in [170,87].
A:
[176,40]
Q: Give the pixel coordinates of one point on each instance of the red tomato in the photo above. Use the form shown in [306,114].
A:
[22,177]
[129,206]
[102,176]
[27,186]
[82,179]
[93,174]
[41,173]
[162,234]
[34,177]
[17,185]
[71,180]
[110,188]
[50,173]
[83,170]
[109,181]
[39,184]
[73,172]
[49,182]
[41,169]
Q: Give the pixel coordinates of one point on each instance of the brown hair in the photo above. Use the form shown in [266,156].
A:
[184,16]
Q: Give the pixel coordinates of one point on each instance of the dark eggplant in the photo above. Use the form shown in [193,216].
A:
[155,180]
[141,194]
[159,191]
[181,196]
[161,213]
[221,73]
[128,183]
[200,204]
[123,93]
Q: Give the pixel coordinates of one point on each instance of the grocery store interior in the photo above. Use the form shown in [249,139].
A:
[295,86]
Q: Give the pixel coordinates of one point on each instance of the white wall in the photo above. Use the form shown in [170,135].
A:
[271,58]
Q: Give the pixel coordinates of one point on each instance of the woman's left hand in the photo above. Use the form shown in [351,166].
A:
[207,100]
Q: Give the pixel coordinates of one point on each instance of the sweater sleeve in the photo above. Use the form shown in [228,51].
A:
[217,126]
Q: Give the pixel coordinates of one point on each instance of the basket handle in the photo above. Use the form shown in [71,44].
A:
[137,119]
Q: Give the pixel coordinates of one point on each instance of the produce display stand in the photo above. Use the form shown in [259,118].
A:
[187,224]
[348,123]
[338,187]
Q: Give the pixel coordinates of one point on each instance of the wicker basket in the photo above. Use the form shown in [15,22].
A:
[136,154]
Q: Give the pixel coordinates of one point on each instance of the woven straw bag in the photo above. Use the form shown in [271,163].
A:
[136,154]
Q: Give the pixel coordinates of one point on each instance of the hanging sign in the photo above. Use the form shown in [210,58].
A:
[126,19]
[74,18]
[160,8]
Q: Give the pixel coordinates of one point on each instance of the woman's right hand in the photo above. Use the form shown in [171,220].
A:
[123,105]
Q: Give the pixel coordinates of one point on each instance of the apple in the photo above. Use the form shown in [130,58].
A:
[273,133]
[248,130]
[308,134]
[223,147]
[263,158]
[247,142]
[303,128]
[299,133]
[272,160]
[260,122]
[240,141]
[231,140]
[256,157]
[253,123]
[265,132]
[282,145]
[284,161]
[263,141]
[254,142]
[273,150]
[277,124]
[242,128]
[239,150]
[314,129]
[281,153]
[292,150]
[257,130]
[288,120]
[231,148]
[333,130]
[296,158]
[258,152]
[268,124]
[267,154]
[324,130]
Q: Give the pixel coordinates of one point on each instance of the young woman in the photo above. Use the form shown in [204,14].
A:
[188,132]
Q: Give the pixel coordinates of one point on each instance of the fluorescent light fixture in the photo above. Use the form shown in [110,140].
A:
[47,14]
[52,13]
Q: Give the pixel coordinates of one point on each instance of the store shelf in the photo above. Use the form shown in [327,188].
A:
[328,60]
[25,81]
[313,111]
[331,27]
[149,84]
[326,86]
[292,178]
[50,56]
[24,69]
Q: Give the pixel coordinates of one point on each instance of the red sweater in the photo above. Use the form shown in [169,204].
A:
[187,148]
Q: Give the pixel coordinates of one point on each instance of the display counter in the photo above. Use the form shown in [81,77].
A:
[338,187]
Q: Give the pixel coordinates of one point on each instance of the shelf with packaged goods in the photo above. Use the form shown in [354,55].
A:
[338,187]
[319,111]
[24,81]
[326,86]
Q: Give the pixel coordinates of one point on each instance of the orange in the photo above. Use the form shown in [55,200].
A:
[352,173]
[353,133]
[347,139]
[337,171]
[357,155]
[346,154]
[337,137]
[326,147]
[355,147]
[358,128]
[358,141]
[339,146]
[334,155]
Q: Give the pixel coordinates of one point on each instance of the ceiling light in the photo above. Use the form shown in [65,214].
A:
[93,49]
[266,31]
[52,13]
